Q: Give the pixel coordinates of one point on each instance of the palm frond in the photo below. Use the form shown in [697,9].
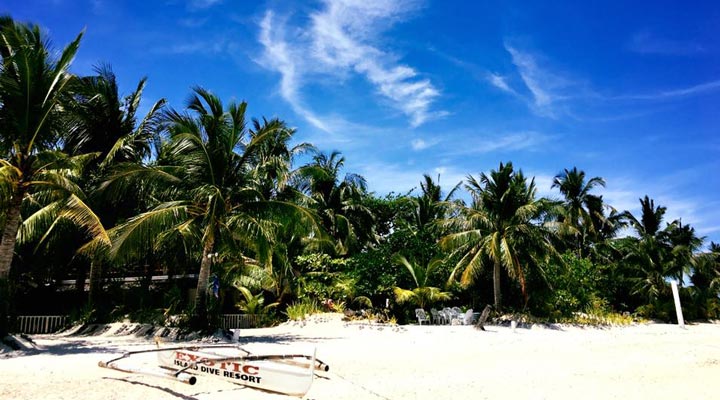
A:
[75,210]
[139,233]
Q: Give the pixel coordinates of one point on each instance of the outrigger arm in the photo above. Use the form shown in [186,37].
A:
[180,376]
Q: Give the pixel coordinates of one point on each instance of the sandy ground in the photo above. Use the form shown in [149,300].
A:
[409,362]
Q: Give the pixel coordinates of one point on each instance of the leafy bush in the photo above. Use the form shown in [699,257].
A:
[320,277]
[298,311]
[574,286]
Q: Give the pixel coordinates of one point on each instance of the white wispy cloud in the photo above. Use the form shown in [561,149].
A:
[550,93]
[345,38]
[646,42]
[500,82]
[422,144]
[419,144]
[675,93]
[509,141]
[532,75]
[547,88]
[336,135]
[284,58]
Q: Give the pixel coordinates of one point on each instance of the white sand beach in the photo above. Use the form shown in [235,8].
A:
[409,362]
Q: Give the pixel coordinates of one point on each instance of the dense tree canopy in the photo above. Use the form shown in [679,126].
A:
[224,209]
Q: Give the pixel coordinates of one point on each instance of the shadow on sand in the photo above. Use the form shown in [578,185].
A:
[164,389]
[62,348]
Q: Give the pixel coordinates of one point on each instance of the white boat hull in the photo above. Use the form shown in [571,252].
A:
[288,376]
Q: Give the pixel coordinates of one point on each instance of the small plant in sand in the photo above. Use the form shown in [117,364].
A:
[609,319]
[298,311]
[255,304]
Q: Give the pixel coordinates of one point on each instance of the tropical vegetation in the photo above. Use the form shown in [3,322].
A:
[180,215]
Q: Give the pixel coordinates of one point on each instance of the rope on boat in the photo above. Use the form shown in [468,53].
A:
[363,387]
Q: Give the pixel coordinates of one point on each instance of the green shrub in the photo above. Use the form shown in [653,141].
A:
[298,311]
[320,277]
[573,287]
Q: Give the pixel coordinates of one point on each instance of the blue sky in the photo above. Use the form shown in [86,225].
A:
[628,91]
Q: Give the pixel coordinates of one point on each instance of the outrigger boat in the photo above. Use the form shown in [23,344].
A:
[290,374]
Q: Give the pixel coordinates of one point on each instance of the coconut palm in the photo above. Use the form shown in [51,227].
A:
[498,227]
[685,244]
[430,207]
[273,159]
[211,198]
[649,253]
[105,123]
[32,84]
[705,278]
[422,294]
[338,201]
[582,212]
[100,122]
[658,254]
[651,218]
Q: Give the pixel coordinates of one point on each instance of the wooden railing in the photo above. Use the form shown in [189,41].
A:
[40,323]
[239,321]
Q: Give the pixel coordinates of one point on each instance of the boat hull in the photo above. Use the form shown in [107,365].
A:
[279,376]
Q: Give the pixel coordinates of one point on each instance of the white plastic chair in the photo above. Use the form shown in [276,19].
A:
[445,316]
[421,316]
[436,317]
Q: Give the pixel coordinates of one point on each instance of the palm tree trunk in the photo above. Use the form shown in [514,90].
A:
[496,284]
[9,235]
[95,275]
[7,251]
[201,315]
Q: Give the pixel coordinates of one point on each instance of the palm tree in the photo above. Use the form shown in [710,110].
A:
[706,282]
[430,207]
[211,198]
[338,201]
[273,159]
[582,211]
[649,253]
[499,227]
[105,123]
[422,294]
[650,220]
[685,244]
[32,84]
[31,87]
[658,254]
